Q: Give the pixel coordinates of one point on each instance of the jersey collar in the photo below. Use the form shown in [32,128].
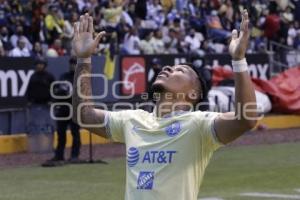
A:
[174,113]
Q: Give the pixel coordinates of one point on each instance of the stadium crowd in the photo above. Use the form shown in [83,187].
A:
[45,28]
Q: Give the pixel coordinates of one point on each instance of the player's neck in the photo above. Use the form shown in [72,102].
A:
[166,105]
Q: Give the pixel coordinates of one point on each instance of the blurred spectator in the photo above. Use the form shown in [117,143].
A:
[70,7]
[2,51]
[19,34]
[45,21]
[122,29]
[293,31]
[4,12]
[56,49]
[173,15]
[180,4]
[7,46]
[83,4]
[131,10]
[105,43]
[38,25]
[159,19]
[215,28]
[178,26]
[64,89]
[157,42]
[131,42]
[153,8]
[227,11]
[68,31]
[256,31]
[38,91]
[126,18]
[283,4]
[296,5]
[141,9]
[20,50]
[112,14]
[39,98]
[272,25]
[149,23]
[167,4]
[208,46]
[54,22]
[192,41]
[171,42]
[297,41]
[145,45]
[37,51]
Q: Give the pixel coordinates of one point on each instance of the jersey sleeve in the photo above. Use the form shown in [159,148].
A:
[116,123]
[205,124]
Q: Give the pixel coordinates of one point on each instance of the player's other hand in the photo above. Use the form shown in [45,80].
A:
[83,42]
[239,41]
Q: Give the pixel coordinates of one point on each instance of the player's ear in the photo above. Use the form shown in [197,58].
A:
[192,95]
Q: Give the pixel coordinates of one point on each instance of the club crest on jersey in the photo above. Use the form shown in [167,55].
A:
[133,156]
[173,129]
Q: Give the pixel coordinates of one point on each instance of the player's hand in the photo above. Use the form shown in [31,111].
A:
[83,42]
[239,42]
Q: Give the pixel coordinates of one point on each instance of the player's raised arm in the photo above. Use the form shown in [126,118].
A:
[231,125]
[83,44]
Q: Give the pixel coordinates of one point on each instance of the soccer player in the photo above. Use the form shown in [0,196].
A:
[169,149]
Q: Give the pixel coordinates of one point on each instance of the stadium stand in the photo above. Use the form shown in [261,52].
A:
[179,26]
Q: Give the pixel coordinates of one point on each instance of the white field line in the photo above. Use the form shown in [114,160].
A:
[270,195]
[297,190]
[211,198]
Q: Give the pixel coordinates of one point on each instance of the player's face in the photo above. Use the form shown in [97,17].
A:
[176,79]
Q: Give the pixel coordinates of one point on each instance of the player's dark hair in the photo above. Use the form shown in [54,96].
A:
[203,86]
[73,60]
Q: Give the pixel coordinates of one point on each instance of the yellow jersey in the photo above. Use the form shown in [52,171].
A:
[167,156]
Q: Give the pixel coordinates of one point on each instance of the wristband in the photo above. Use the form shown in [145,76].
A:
[240,65]
[84,60]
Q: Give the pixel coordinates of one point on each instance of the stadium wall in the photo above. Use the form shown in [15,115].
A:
[13,106]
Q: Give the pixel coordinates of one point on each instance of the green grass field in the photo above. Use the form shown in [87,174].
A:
[233,170]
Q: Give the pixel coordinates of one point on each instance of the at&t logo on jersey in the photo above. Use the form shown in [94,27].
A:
[132,156]
[149,157]
[158,157]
